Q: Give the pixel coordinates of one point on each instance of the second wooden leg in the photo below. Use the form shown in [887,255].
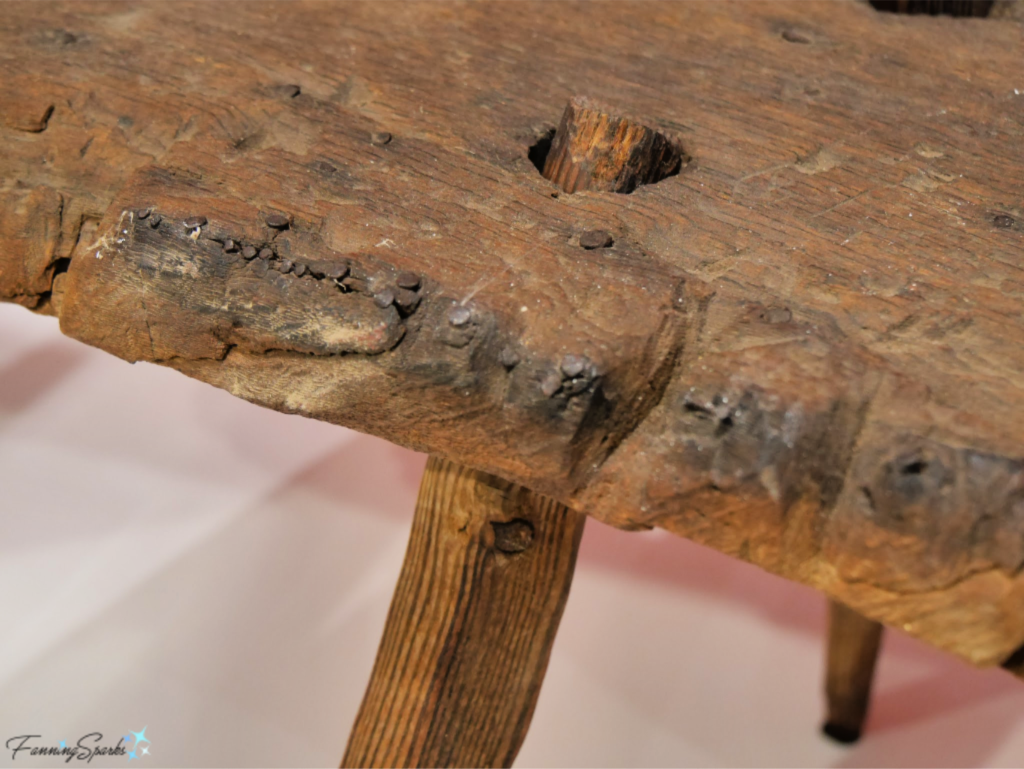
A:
[471,625]
[853,643]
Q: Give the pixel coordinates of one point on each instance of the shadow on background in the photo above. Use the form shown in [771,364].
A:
[35,373]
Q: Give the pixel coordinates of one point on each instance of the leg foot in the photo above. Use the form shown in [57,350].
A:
[471,624]
[853,643]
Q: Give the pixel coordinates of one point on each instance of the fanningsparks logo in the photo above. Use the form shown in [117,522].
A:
[134,745]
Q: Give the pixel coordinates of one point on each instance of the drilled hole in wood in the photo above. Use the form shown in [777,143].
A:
[935,7]
[915,468]
[595,149]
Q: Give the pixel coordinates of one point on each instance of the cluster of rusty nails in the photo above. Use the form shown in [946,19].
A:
[249,253]
[574,375]
[575,372]
[147,213]
[404,294]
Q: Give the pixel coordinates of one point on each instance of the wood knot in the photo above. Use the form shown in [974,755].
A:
[513,536]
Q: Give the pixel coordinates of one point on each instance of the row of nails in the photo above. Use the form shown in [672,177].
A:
[575,373]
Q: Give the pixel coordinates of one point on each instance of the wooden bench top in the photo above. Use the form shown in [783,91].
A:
[802,349]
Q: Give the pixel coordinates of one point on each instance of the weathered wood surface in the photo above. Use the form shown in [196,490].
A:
[802,350]
[471,625]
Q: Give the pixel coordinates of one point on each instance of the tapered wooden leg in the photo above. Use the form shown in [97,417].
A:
[471,625]
[853,643]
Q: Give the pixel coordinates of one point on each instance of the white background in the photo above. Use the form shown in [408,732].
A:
[175,558]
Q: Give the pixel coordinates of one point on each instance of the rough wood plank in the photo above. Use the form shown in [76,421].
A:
[471,625]
[801,350]
[853,643]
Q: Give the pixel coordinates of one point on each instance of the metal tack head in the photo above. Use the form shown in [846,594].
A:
[230,246]
[1002,220]
[380,138]
[300,269]
[277,221]
[384,299]
[337,271]
[195,221]
[249,252]
[508,357]
[573,365]
[550,384]
[409,280]
[459,315]
[592,239]
[142,213]
[154,220]
[266,253]
[406,299]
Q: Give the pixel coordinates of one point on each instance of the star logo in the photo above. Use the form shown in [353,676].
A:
[141,736]
[132,755]
[63,744]
[145,751]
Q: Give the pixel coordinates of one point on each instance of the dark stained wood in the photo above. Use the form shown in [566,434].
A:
[802,350]
[471,625]
[853,643]
[594,150]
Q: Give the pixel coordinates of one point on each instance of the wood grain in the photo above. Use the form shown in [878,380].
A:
[853,643]
[802,350]
[595,150]
[471,625]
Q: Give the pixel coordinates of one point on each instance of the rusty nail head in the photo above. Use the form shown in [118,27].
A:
[337,272]
[508,357]
[380,138]
[1002,220]
[284,265]
[266,253]
[459,315]
[573,365]
[154,220]
[409,280]
[551,384]
[142,213]
[249,252]
[592,239]
[230,245]
[406,299]
[195,221]
[384,299]
[300,270]
[277,221]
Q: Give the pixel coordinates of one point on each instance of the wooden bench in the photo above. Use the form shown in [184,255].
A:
[748,272]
